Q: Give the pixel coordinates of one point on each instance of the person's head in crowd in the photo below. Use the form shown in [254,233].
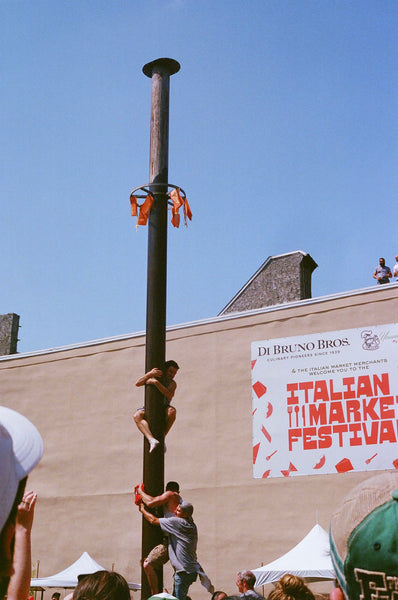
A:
[184,510]
[291,587]
[245,580]
[364,539]
[102,585]
[172,486]
[21,448]
[56,596]
[218,595]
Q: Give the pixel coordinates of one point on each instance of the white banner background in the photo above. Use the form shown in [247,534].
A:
[326,402]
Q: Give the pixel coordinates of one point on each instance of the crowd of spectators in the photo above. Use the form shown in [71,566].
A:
[363,536]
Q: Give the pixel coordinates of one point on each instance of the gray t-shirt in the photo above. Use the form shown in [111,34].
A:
[183,539]
[382,272]
[252,595]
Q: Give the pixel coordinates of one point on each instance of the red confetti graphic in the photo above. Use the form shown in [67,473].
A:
[256,448]
[266,474]
[270,410]
[254,411]
[259,389]
[321,463]
[253,363]
[344,465]
[265,432]
[368,460]
[395,463]
[290,470]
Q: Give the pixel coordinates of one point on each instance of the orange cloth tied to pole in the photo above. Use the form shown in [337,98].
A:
[187,211]
[133,202]
[175,218]
[144,210]
[177,201]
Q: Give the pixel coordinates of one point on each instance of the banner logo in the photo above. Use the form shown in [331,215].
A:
[370,340]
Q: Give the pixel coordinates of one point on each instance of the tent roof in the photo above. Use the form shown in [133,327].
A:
[310,559]
[68,577]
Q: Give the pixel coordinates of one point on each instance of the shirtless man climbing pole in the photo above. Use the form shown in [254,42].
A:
[163,380]
[169,500]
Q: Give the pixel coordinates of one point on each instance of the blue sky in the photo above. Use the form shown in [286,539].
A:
[283,133]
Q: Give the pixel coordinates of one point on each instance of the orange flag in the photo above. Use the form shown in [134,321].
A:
[133,202]
[144,210]
[187,211]
[175,219]
[176,199]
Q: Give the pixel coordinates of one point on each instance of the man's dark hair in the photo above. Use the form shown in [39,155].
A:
[216,594]
[170,363]
[102,585]
[172,486]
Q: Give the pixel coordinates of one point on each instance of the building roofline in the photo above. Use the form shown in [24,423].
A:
[206,321]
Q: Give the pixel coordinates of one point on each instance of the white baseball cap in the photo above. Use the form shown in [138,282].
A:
[21,448]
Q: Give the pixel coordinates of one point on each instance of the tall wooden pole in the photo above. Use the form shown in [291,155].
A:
[159,71]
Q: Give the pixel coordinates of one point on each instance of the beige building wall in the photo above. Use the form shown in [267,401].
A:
[82,400]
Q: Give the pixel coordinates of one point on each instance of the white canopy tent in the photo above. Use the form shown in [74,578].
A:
[68,577]
[310,559]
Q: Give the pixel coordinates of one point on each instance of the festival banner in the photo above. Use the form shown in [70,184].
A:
[326,402]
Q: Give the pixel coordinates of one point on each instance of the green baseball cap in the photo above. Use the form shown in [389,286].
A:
[364,540]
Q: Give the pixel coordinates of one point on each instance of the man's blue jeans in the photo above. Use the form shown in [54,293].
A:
[182,581]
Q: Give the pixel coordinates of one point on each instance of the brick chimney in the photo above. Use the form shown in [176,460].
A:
[280,279]
[9,326]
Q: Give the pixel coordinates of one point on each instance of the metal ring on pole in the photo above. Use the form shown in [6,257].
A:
[146,186]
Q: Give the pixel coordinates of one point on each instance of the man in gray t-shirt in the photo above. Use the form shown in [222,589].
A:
[183,539]
[382,273]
